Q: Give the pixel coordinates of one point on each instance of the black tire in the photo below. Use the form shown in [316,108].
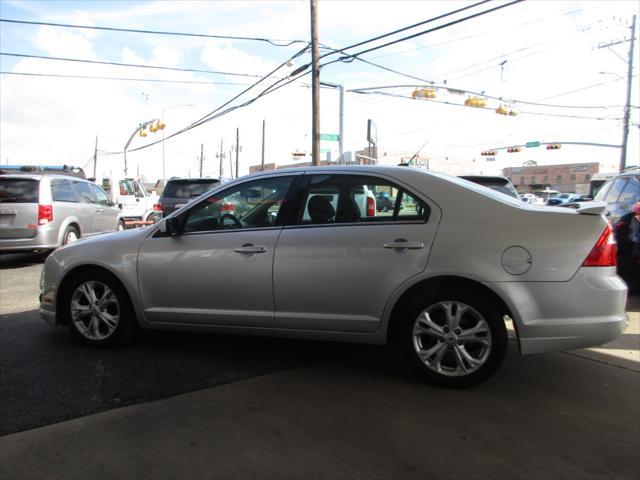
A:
[126,326]
[480,308]
[68,233]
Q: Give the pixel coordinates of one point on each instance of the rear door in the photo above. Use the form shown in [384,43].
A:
[336,267]
[106,218]
[18,207]
[86,208]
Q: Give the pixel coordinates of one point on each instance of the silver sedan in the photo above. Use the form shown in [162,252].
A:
[302,253]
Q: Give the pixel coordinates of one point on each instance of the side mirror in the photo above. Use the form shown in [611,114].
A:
[120,206]
[172,226]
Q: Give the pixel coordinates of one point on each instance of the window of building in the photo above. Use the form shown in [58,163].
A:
[533,179]
[559,179]
[573,178]
[521,180]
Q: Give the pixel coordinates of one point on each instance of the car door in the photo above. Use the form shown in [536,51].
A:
[335,268]
[218,270]
[106,218]
[86,209]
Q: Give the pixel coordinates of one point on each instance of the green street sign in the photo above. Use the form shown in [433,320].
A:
[329,136]
[532,144]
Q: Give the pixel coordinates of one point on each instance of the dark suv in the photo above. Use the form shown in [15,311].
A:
[621,193]
[180,191]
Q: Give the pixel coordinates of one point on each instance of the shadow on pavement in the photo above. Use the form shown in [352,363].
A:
[20,260]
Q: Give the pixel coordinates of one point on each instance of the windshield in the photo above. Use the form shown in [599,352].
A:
[14,190]
[188,189]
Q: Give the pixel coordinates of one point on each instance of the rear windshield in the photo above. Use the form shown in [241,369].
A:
[497,184]
[188,189]
[18,190]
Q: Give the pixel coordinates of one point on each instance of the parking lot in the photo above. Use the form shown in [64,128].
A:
[194,406]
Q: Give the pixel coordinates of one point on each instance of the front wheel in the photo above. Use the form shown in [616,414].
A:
[455,339]
[97,310]
[71,234]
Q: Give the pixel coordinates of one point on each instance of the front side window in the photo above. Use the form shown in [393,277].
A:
[256,204]
[61,191]
[84,192]
[334,199]
[101,197]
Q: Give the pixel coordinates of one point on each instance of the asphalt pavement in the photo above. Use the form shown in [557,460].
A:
[212,406]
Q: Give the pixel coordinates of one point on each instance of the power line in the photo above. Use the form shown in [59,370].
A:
[584,88]
[482,94]
[132,65]
[394,32]
[89,77]
[349,57]
[489,108]
[274,42]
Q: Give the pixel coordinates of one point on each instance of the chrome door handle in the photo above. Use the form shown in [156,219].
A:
[249,249]
[99,210]
[402,244]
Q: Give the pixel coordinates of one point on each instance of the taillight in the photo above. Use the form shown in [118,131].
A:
[157,207]
[603,254]
[45,214]
[371,207]
[228,207]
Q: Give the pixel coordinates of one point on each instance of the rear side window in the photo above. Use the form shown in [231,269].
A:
[186,189]
[84,192]
[334,199]
[61,191]
[614,192]
[18,190]
[630,193]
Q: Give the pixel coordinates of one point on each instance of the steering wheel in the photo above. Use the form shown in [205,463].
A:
[234,219]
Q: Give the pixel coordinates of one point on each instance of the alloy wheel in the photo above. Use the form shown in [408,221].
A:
[95,310]
[452,339]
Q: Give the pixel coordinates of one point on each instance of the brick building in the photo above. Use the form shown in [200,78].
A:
[572,177]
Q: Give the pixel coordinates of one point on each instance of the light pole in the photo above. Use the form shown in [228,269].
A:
[140,127]
[164,176]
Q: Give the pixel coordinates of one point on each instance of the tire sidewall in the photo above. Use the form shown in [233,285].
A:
[67,231]
[499,338]
[126,324]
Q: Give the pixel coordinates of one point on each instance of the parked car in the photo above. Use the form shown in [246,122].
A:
[38,213]
[531,198]
[563,198]
[68,170]
[621,193]
[499,184]
[384,202]
[180,191]
[437,279]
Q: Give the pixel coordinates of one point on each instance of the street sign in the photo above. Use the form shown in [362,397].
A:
[330,136]
[532,144]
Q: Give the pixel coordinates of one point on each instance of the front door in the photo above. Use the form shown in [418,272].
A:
[337,267]
[218,271]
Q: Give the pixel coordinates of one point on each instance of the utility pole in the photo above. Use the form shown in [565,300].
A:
[237,149]
[95,158]
[221,158]
[262,168]
[315,87]
[627,105]
[201,157]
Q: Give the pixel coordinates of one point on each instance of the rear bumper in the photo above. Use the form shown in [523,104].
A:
[45,239]
[585,311]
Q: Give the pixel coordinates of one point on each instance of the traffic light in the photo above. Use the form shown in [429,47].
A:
[513,149]
[477,102]
[502,110]
[143,133]
[489,153]
[424,93]
[553,146]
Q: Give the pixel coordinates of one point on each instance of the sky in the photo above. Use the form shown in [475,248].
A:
[551,52]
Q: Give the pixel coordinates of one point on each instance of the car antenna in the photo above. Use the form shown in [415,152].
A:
[415,155]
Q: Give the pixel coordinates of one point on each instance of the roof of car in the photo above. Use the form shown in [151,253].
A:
[40,177]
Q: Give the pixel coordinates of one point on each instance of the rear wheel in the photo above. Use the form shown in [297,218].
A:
[455,339]
[71,234]
[120,226]
[97,310]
